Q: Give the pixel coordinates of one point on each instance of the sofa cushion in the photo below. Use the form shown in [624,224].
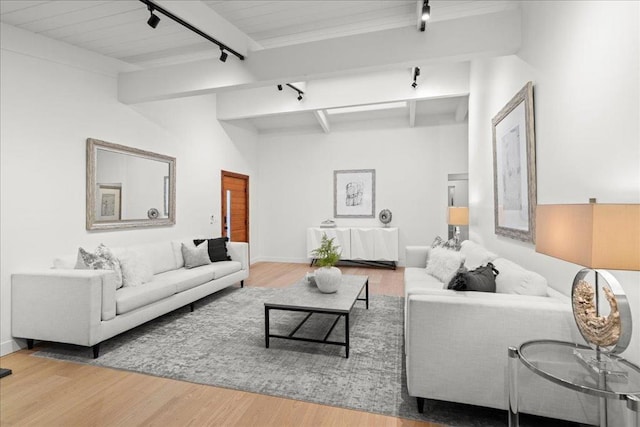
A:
[444,263]
[132,297]
[158,255]
[225,268]
[101,259]
[475,255]
[217,248]
[136,270]
[195,256]
[514,279]
[185,279]
[416,279]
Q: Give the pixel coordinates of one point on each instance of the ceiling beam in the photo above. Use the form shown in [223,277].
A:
[321,116]
[412,113]
[444,81]
[462,109]
[446,41]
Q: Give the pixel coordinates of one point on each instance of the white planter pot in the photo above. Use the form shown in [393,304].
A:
[328,279]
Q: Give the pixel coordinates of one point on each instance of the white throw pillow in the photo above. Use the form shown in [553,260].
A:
[135,269]
[475,255]
[195,256]
[513,279]
[444,263]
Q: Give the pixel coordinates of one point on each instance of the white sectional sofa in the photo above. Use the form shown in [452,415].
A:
[83,307]
[456,342]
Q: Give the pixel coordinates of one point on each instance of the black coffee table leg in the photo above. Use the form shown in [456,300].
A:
[346,334]
[266,326]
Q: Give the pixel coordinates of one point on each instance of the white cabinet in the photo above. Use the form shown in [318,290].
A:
[341,235]
[375,244]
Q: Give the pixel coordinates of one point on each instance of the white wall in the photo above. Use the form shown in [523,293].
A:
[296,181]
[583,59]
[54,96]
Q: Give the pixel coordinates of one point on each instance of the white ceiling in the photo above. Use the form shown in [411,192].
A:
[118,28]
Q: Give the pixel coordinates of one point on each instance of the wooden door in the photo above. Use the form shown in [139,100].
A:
[235,206]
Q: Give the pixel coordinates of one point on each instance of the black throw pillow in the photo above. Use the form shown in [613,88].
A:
[217,248]
[482,279]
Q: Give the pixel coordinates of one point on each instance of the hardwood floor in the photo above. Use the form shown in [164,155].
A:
[43,392]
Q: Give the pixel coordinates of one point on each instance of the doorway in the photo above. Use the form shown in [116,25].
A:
[235,206]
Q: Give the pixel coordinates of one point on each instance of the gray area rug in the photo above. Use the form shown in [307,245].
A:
[222,344]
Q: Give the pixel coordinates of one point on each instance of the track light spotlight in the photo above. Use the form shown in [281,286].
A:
[154,19]
[279,87]
[426,11]
[416,73]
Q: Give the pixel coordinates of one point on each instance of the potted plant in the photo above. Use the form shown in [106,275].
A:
[327,255]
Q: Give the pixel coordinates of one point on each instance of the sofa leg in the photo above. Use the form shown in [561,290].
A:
[96,350]
[420,404]
[29,343]
[242,283]
[192,306]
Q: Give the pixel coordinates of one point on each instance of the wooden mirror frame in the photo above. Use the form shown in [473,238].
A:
[92,223]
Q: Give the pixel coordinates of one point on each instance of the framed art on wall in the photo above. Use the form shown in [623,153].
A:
[354,193]
[514,168]
[109,197]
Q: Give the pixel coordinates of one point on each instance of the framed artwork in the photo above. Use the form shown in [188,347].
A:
[109,198]
[514,168]
[354,193]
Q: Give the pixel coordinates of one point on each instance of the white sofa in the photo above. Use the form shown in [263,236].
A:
[456,343]
[83,307]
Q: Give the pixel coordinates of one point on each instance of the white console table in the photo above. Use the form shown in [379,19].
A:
[371,246]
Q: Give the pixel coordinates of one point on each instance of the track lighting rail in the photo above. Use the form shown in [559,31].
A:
[152,6]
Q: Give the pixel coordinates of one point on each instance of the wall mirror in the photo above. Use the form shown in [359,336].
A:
[128,187]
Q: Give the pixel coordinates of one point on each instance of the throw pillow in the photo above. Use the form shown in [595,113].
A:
[482,279]
[135,269]
[217,248]
[195,256]
[514,279]
[101,259]
[444,263]
[450,244]
[475,255]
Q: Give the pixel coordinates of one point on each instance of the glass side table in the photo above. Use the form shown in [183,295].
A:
[556,362]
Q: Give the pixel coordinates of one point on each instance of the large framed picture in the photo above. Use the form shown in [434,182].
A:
[514,168]
[354,193]
[109,198]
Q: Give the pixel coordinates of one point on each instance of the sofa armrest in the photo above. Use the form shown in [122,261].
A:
[239,251]
[456,342]
[62,305]
[416,256]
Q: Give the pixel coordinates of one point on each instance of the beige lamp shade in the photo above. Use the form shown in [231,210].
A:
[458,215]
[594,235]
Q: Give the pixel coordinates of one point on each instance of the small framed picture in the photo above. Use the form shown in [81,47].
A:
[109,198]
[354,193]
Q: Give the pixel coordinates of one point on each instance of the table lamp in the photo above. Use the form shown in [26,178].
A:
[598,237]
[458,215]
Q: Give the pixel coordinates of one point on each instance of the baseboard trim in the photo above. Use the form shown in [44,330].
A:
[8,347]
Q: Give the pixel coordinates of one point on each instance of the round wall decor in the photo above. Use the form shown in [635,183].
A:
[385,217]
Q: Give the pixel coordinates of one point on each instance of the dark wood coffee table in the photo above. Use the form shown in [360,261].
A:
[306,297]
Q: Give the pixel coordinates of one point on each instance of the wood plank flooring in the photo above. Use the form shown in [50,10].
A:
[43,392]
